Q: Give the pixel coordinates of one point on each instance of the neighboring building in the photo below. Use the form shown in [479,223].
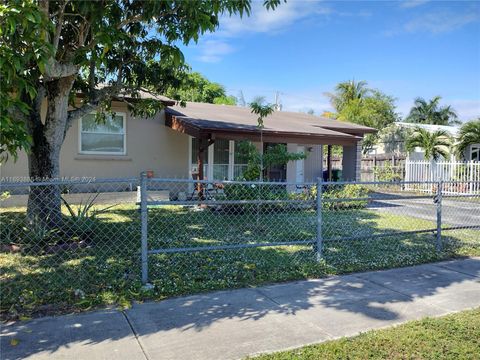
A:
[471,153]
[170,143]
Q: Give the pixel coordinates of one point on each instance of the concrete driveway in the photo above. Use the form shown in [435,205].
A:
[237,323]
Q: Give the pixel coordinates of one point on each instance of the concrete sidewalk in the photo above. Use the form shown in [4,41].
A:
[234,324]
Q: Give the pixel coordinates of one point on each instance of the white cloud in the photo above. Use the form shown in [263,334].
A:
[262,20]
[212,51]
[406,4]
[265,21]
[466,109]
[436,22]
[440,22]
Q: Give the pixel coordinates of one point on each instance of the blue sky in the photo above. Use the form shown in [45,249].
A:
[404,48]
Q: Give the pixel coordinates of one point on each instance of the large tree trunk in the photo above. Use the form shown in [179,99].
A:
[44,202]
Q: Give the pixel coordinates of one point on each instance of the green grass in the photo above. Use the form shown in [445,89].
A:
[455,336]
[108,272]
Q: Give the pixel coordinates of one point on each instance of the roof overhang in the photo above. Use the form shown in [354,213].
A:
[233,123]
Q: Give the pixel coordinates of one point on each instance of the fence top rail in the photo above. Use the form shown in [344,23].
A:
[85,181]
[80,181]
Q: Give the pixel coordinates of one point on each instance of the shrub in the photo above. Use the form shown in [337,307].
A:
[83,217]
[348,191]
[387,173]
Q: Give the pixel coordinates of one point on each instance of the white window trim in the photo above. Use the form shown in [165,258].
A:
[123,153]
[472,147]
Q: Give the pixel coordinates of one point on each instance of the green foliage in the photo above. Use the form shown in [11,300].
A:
[83,216]
[255,192]
[348,91]
[195,87]
[37,235]
[434,144]
[262,111]
[348,191]
[22,60]
[393,138]
[274,155]
[355,102]
[430,112]
[66,47]
[454,336]
[376,111]
[225,100]
[387,172]
[337,192]
[469,134]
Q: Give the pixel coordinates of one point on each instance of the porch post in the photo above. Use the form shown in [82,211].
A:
[329,163]
[200,160]
[231,160]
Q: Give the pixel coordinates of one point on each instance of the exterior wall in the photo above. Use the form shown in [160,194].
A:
[314,163]
[352,157]
[149,146]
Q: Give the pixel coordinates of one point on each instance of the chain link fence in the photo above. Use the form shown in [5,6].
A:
[78,244]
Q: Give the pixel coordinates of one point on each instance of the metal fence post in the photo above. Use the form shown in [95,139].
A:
[319,240]
[438,244]
[144,226]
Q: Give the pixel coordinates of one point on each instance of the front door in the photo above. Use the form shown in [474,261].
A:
[300,166]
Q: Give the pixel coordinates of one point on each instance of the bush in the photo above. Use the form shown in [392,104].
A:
[387,173]
[254,192]
[348,191]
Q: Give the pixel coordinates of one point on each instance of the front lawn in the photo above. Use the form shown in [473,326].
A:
[108,271]
[455,336]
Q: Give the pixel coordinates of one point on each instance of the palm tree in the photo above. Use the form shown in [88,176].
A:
[346,92]
[430,112]
[434,144]
[469,134]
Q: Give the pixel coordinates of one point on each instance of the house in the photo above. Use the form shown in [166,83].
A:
[178,139]
[472,153]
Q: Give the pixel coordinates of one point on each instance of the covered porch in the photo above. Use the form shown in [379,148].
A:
[215,132]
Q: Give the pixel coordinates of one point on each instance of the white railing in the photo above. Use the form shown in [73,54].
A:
[426,171]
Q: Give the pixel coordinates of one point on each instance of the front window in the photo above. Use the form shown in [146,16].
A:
[103,137]
[475,153]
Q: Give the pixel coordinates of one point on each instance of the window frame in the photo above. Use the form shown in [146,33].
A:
[124,133]
[477,149]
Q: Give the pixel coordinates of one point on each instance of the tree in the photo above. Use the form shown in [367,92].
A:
[348,91]
[393,138]
[430,112]
[54,50]
[195,87]
[469,134]
[434,144]
[376,110]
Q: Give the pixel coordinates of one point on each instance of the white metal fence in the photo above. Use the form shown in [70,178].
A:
[422,173]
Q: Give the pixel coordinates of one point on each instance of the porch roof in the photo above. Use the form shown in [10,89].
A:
[237,123]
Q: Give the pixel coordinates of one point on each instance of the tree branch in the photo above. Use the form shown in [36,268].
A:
[58,29]
[57,70]
[129,20]
[103,94]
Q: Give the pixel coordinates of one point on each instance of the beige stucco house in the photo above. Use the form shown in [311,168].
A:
[177,139]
